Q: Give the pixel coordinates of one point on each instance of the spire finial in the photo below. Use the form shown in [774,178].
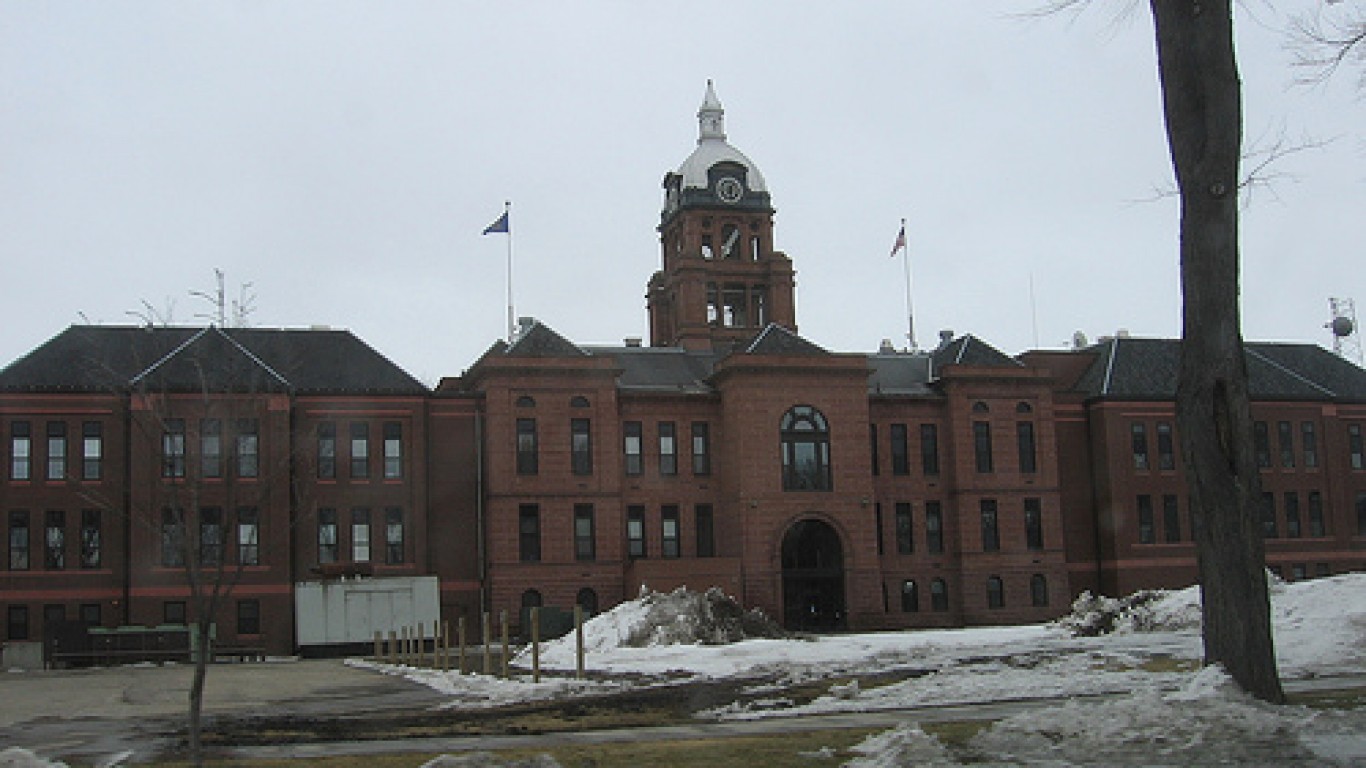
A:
[711,117]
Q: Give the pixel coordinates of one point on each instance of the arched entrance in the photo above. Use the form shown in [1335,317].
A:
[813,577]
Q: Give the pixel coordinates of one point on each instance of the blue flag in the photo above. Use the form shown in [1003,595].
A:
[501,225]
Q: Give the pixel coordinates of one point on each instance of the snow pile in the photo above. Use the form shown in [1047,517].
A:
[1320,625]
[657,619]
[488,760]
[1206,721]
[18,757]
[1149,610]
[475,691]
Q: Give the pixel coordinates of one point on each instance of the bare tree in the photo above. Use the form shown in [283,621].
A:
[1202,107]
[1326,38]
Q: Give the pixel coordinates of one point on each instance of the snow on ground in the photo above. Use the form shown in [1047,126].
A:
[1165,713]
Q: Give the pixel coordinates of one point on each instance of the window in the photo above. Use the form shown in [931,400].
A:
[248,617]
[1138,437]
[877,525]
[939,595]
[360,450]
[21,451]
[327,450]
[54,540]
[1309,443]
[56,450]
[1024,437]
[1299,572]
[92,450]
[668,448]
[210,448]
[905,540]
[587,599]
[585,543]
[929,449]
[1033,514]
[873,449]
[805,440]
[248,448]
[981,446]
[532,599]
[668,530]
[1038,590]
[173,612]
[910,597]
[91,544]
[1316,528]
[172,538]
[701,448]
[934,527]
[1269,515]
[996,592]
[633,439]
[1261,443]
[527,454]
[1285,441]
[18,541]
[1166,447]
[901,460]
[579,401]
[248,536]
[394,547]
[529,533]
[1292,515]
[393,450]
[581,446]
[327,535]
[210,536]
[1146,532]
[90,614]
[635,531]
[17,619]
[173,448]
[1171,519]
[360,535]
[1354,446]
[991,538]
[706,530]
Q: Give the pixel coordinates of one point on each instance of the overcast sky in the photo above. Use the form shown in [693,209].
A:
[344,157]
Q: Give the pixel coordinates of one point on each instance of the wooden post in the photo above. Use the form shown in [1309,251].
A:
[460,638]
[443,630]
[378,643]
[535,645]
[488,641]
[405,647]
[578,642]
[393,647]
[421,641]
[503,620]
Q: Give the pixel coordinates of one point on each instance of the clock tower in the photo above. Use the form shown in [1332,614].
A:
[721,282]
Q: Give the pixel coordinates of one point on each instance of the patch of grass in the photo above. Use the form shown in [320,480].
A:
[1346,699]
[956,734]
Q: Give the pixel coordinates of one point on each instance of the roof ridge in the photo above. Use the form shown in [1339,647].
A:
[241,348]
[1293,373]
[164,358]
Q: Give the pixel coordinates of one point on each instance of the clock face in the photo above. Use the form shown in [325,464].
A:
[729,189]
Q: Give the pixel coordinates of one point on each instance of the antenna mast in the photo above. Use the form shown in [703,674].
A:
[1346,340]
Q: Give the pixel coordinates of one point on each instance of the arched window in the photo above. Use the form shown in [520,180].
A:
[939,595]
[1024,407]
[526,401]
[587,599]
[806,450]
[980,407]
[996,593]
[578,401]
[531,599]
[910,596]
[1038,590]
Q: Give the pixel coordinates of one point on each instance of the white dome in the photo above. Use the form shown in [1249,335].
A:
[712,148]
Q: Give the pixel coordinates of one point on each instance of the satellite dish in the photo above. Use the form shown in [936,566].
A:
[1342,327]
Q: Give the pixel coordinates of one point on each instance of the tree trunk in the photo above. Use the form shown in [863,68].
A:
[1202,107]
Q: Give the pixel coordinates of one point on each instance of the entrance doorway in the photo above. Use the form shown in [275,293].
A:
[813,577]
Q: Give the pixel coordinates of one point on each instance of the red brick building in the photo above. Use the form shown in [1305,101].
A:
[890,490]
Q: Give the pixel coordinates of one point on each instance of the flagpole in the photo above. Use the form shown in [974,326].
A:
[910,314]
[512,321]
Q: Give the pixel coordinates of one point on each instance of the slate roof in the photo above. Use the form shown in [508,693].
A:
[900,374]
[970,350]
[1146,369]
[101,358]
